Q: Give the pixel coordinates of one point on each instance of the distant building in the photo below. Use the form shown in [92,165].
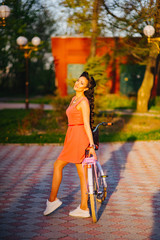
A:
[71,53]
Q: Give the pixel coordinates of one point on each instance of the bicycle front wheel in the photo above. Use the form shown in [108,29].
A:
[93,207]
[92,196]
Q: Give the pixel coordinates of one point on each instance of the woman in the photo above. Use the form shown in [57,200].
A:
[78,138]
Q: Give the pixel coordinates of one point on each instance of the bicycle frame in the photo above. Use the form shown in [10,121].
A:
[91,166]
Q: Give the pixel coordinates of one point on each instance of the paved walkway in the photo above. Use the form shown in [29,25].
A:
[130,212]
[22,106]
[50,107]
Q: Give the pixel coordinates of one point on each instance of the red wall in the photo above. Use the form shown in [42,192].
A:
[75,50]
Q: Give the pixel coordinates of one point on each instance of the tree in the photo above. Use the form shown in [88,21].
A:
[134,16]
[147,84]
[84,17]
[94,33]
[28,18]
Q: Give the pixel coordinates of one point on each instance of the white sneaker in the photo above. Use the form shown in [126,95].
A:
[51,206]
[78,212]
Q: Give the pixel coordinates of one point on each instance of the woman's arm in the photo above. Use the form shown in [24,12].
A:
[84,107]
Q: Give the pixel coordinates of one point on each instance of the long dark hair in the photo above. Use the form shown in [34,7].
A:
[90,95]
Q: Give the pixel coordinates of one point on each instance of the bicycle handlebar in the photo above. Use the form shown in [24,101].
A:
[104,124]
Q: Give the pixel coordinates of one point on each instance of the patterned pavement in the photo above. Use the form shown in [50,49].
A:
[130,212]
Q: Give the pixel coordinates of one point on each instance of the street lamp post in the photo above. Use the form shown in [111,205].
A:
[28,48]
[149,32]
[4,13]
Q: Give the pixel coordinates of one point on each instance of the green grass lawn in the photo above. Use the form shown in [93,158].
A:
[38,126]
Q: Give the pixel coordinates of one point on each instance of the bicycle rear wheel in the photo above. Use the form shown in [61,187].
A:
[91,185]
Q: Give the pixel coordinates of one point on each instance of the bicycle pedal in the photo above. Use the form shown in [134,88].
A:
[100,195]
[104,176]
[100,192]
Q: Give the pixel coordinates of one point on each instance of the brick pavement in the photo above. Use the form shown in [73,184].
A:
[130,212]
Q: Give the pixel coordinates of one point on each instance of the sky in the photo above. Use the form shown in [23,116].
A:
[60,16]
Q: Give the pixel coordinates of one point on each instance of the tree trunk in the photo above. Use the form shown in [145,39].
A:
[144,92]
[94,28]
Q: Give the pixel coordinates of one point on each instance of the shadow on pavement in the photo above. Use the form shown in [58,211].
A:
[156,216]
[115,167]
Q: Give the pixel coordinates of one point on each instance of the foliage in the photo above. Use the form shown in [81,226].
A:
[46,99]
[60,105]
[154,103]
[157,101]
[28,18]
[134,17]
[127,19]
[80,16]
[85,18]
[29,122]
[41,80]
[113,101]
[25,123]
[96,67]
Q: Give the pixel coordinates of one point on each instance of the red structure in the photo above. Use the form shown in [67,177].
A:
[70,52]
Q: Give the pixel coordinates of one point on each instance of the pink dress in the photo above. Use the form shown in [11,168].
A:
[76,140]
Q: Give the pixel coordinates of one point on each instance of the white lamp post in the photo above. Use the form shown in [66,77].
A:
[4,13]
[149,32]
[28,48]
[36,41]
[22,41]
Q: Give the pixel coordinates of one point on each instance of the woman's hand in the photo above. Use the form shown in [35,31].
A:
[92,152]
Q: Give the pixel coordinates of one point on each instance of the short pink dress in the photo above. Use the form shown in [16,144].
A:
[76,140]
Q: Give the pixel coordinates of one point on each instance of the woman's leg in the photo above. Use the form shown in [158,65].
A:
[84,195]
[57,178]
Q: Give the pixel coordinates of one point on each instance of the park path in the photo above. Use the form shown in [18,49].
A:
[130,212]
[4,105]
[22,106]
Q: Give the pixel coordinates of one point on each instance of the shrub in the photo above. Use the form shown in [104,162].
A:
[60,105]
[96,67]
[29,122]
[113,101]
